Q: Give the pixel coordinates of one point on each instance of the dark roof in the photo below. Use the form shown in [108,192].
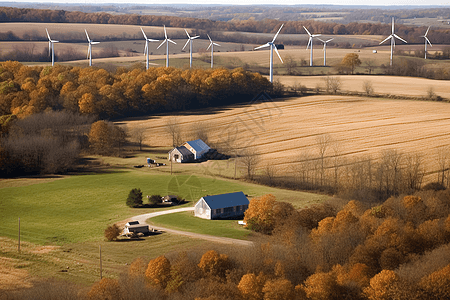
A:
[198,145]
[226,200]
[184,151]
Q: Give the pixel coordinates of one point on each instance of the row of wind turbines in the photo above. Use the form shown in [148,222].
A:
[270,44]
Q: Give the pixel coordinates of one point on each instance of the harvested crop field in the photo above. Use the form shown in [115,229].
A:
[282,131]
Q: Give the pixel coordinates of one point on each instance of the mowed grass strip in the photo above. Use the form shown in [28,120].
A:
[186,221]
[79,208]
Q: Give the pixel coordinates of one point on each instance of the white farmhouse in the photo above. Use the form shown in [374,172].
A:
[221,206]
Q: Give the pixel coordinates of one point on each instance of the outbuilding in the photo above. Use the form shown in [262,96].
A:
[223,206]
[189,151]
[134,227]
[181,154]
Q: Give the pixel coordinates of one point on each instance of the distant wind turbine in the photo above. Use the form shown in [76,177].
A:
[392,37]
[52,49]
[166,40]
[190,39]
[272,47]
[211,45]
[91,42]
[146,48]
[426,41]
[310,42]
[325,50]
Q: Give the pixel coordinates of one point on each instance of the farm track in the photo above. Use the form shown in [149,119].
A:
[223,240]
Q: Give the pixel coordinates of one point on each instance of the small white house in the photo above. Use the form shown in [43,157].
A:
[197,147]
[223,206]
[133,227]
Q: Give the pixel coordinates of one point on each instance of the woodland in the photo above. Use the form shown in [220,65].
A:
[397,249]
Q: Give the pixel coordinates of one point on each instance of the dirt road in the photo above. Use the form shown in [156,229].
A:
[143,218]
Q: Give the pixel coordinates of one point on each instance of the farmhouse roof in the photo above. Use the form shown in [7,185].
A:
[198,145]
[183,150]
[226,200]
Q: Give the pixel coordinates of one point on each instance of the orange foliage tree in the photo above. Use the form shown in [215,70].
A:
[251,286]
[259,216]
[105,289]
[213,263]
[158,271]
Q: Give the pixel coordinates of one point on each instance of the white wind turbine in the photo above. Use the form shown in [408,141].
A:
[426,41]
[190,39]
[146,48]
[52,49]
[166,40]
[211,45]
[91,42]
[310,42]
[325,50]
[272,47]
[393,36]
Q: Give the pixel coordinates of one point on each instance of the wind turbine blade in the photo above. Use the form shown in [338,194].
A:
[87,35]
[263,46]
[194,37]
[49,47]
[151,40]
[145,48]
[171,41]
[309,43]
[276,50]
[189,37]
[95,43]
[209,38]
[89,51]
[427,30]
[48,35]
[55,41]
[392,25]
[275,37]
[215,44]
[209,46]
[400,38]
[322,40]
[428,41]
[187,42]
[307,31]
[165,32]
[161,44]
[386,39]
[145,36]
[329,40]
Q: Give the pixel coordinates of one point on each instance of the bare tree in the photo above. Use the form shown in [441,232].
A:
[332,84]
[370,65]
[368,87]
[269,173]
[323,142]
[337,161]
[173,127]
[442,153]
[200,130]
[248,161]
[414,172]
[290,64]
[138,134]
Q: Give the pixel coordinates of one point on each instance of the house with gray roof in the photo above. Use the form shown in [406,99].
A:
[223,206]
[189,151]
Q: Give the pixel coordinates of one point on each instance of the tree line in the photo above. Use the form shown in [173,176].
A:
[27,90]
[397,249]
[411,33]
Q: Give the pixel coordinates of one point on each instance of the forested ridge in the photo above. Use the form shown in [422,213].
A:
[411,33]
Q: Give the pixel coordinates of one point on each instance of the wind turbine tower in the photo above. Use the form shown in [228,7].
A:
[52,49]
[272,47]
[190,39]
[146,48]
[310,43]
[166,40]
[426,41]
[91,42]
[211,45]
[325,50]
[392,37]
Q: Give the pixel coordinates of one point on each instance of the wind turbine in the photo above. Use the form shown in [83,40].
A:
[146,47]
[166,40]
[91,42]
[211,45]
[272,47]
[426,41]
[393,36]
[190,39]
[310,42]
[52,49]
[325,50]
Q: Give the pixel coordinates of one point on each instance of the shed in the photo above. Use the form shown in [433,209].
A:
[223,206]
[197,147]
[133,227]
[181,154]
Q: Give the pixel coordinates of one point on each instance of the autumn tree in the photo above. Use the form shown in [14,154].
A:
[105,289]
[213,263]
[351,61]
[112,232]
[278,289]
[437,284]
[158,271]
[251,286]
[106,138]
[259,215]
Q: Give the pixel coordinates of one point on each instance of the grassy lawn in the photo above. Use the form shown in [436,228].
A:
[187,222]
[78,208]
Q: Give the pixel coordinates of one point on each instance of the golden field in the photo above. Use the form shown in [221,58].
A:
[282,131]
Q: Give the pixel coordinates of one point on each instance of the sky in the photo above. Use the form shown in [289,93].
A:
[262,2]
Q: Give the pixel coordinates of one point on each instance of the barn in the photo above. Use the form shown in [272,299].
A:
[189,151]
[223,206]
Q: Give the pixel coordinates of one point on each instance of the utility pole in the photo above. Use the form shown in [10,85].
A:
[19,236]
[101,267]
[235,163]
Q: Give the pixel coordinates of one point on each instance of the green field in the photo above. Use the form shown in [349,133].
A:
[78,208]
[188,222]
